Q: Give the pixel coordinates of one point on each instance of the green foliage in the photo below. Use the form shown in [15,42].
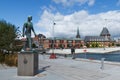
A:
[17,48]
[117,44]
[7,34]
[113,44]
[2,58]
[81,45]
[94,44]
[69,45]
[87,45]
[34,45]
[97,45]
[61,46]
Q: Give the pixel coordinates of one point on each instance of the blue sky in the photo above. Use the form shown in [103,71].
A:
[65,12]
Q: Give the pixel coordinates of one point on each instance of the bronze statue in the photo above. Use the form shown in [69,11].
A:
[27,28]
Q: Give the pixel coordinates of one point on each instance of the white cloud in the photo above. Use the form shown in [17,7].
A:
[74,2]
[118,3]
[66,25]
[50,8]
[91,2]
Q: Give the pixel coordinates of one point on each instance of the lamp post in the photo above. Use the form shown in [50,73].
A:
[53,56]
[53,37]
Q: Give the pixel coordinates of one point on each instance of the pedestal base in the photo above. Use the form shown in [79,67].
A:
[27,64]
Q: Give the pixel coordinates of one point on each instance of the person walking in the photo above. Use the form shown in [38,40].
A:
[73,52]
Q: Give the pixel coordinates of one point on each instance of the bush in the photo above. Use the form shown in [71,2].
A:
[9,59]
[2,58]
[34,45]
[117,44]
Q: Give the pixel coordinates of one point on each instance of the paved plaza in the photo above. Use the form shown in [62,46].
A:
[66,69]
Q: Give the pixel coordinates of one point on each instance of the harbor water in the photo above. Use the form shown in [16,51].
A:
[113,56]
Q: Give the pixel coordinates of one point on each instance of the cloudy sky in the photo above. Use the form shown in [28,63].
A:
[89,15]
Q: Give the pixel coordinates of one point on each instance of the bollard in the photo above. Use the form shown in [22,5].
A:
[102,63]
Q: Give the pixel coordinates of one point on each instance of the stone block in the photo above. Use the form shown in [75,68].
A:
[27,64]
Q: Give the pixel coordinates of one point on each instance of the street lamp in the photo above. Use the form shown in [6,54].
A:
[53,37]
[53,56]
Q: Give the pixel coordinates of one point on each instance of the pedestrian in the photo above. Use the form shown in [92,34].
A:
[73,52]
[65,55]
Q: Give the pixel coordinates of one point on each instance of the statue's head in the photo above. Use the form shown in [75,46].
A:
[29,18]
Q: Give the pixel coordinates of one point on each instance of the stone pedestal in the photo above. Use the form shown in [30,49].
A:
[27,64]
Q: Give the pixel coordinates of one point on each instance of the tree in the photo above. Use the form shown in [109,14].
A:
[7,34]
[96,45]
[34,45]
[113,44]
[88,45]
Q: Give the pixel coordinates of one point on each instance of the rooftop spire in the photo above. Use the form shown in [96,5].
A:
[105,32]
[78,35]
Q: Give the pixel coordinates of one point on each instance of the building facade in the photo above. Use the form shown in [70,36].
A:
[104,40]
[63,43]
[58,43]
